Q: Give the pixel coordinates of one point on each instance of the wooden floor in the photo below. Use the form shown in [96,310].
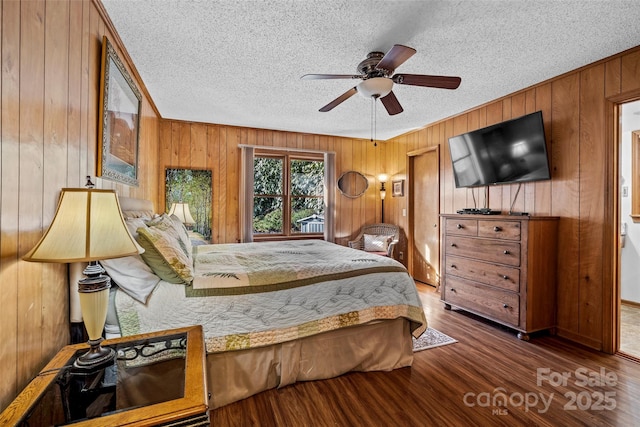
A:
[488,378]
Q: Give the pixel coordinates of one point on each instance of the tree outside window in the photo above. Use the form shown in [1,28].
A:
[288,189]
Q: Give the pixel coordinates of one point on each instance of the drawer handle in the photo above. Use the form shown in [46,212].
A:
[454,266]
[505,305]
[453,289]
[459,226]
[505,277]
[496,229]
[506,252]
[453,245]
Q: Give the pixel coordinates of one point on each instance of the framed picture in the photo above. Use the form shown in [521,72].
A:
[190,190]
[119,128]
[397,188]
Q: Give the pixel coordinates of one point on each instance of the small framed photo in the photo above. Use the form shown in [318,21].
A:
[397,188]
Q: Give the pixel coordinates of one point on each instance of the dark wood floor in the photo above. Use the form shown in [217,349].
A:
[488,378]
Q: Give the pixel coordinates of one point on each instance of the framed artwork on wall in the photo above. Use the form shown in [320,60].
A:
[119,126]
[397,188]
[188,195]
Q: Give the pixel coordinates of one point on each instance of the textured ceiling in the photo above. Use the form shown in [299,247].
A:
[239,62]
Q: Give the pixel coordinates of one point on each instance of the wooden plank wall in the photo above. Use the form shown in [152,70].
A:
[49,93]
[215,147]
[575,109]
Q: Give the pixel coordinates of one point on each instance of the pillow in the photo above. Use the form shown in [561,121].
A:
[172,222]
[376,243]
[166,252]
[133,224]
[132,275]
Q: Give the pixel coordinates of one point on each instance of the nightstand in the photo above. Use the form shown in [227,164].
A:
[157,379]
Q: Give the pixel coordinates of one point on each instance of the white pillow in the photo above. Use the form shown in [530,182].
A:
[377,243]
[132,275]
[133,224]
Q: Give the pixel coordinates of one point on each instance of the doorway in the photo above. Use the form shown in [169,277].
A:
[424,215]
[629,217]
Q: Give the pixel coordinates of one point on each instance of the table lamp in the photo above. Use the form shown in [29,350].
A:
[88,226]
[181,210]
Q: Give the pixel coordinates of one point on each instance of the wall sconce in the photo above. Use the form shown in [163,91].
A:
[383,192]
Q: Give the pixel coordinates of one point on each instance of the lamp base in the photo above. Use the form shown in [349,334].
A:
[96,357]
[94,299]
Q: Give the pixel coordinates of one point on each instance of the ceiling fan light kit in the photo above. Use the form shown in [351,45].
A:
[376,72]
[376,86]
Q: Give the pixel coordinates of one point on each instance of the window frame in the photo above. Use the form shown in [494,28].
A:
[288,157]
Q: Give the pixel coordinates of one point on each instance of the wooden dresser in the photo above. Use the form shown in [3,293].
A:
[502,268]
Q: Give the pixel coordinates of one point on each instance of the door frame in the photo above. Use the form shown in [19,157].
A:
[410,204]
[611,266]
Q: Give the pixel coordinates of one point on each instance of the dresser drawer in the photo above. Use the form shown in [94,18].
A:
[463,227]
[502,252]
[500,305]
[500,276]
[507,230]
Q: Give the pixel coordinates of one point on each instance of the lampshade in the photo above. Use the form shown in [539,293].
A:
[378,86]
[181,210]
[88,226]
[383,178]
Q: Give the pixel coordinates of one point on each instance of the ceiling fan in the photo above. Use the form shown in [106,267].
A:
[377,77]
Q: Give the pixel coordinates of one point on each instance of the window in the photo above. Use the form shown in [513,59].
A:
[288,194]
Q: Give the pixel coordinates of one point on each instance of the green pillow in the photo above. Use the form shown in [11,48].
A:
[166,251]
[177,228]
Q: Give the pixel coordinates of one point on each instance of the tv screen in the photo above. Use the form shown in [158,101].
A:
[508,152]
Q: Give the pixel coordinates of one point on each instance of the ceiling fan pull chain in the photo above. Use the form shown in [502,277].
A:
[373,100]
[375,119]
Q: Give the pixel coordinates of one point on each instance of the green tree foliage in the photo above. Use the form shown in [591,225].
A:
[269,221]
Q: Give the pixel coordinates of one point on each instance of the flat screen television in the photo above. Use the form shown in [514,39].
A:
[513,151]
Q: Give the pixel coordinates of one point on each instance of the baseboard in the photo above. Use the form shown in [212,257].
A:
[631,303]
[580,339]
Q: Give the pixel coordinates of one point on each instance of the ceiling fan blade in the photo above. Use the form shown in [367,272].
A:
[392,105]
[339,100]
[395,57]
[329,76]
[441,82]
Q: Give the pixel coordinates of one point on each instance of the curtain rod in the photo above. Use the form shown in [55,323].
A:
[285,149]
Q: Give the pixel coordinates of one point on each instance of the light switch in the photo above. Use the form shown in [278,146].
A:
[625,191]
[404,212]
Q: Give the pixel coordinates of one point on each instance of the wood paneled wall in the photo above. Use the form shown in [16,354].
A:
[215,147]
[578,115]
[50,65]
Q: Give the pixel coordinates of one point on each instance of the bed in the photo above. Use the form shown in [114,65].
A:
[273,313]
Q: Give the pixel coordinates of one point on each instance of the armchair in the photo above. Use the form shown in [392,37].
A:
[381,239]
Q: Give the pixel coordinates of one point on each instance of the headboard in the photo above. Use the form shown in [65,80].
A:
[131,208]
[135,208]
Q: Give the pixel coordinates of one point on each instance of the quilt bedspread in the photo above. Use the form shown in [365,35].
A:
[258,294]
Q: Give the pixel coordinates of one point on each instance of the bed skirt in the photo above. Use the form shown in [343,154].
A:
[235,375]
